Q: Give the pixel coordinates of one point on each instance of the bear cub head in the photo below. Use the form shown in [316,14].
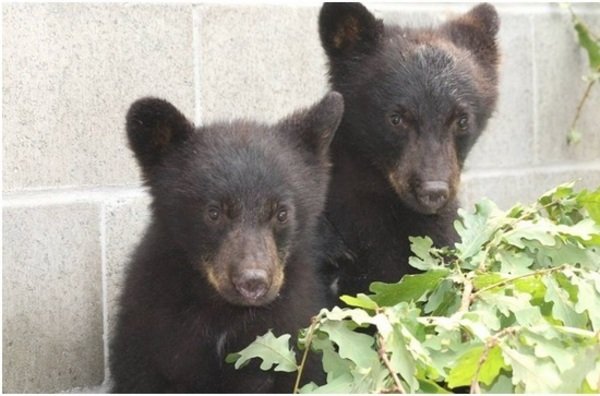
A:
[416,99]
[240,199]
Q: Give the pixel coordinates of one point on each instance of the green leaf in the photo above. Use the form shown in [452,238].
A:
[591,202]
[556,194]
[476,228]
[583,230]
[573,136]
[360,301]
[588,43]
[533,374]
[273,352]
[426,386]
[593,378]
[356,347]
[506,303]
[514,263]
[333,364]
[401,360]
[531,285]
[464,370]
[589,300]
[444,300]
[574,379]
[339,385]
[525,231]
[528,316]
[486,279]
[563,308]
[501,385]
[421,247]
[547,345]
[490,369]
[410,288]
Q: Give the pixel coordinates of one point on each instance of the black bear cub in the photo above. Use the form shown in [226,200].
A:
[230,251]
[416,101]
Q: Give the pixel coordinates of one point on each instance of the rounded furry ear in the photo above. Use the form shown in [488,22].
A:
[316,125]
[347,28]
[154,125]
[476,31]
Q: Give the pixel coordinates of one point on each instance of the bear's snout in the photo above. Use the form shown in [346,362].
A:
[247,269]
[252,284]
[433,195]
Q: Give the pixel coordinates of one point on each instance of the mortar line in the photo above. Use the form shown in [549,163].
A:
[545,169]
[103,252]
[70,195]
[196,55]
[534,96]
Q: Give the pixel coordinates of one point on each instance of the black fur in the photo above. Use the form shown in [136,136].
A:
[218,196]
[416,100]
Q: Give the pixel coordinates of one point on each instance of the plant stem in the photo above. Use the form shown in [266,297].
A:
[386,362]
[309,337]
[466,297]
[497,338]
[475,383]
[581,103]
[509,280]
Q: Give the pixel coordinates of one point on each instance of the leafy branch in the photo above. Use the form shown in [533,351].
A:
[528,320]
[506,281]
[382,350]
[591,44]
[307,343]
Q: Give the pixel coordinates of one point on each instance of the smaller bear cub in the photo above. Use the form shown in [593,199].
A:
[231,249]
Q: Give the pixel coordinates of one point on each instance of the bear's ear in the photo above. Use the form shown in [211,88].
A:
[153,126]
[316,125]
[348,28]
[476,31]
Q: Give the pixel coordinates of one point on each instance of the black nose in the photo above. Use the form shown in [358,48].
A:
[252,283]
[433,194]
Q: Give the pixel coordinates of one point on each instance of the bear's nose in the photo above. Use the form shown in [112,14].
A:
[433,194]
[252,284]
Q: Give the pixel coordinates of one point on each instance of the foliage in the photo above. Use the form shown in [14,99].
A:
[513,307]
[591,45]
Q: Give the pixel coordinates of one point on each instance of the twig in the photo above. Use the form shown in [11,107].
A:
[475,383]
[581,103]
[509,280]
[387,363]
[491,342]
[309,337]
[466,297]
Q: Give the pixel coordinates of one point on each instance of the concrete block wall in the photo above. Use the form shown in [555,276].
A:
[73,207]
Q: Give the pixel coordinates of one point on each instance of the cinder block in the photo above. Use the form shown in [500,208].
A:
[560,64]
[416,15]
[125,223]
[52,298]
[508,139]
[70,72]
[259,62]
[509,188]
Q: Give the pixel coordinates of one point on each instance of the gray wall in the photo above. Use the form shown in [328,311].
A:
[72,203]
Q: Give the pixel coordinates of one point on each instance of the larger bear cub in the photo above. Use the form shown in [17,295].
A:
[231,249]
[416,101]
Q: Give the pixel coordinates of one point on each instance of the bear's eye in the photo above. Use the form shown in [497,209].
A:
[282,215]
[214,214]
[463,122]
[396,119]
